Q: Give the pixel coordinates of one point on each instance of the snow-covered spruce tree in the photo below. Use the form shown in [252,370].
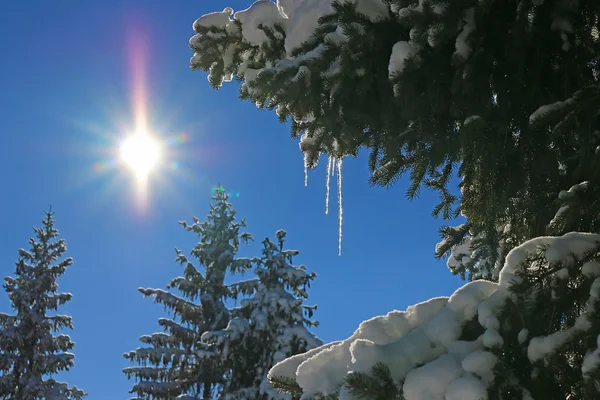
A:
[177,364]
[271,324]
[504,93]
[31,348]
[533,335]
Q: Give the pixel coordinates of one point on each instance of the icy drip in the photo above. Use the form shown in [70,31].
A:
[305,172]
[330,171]
[333,164]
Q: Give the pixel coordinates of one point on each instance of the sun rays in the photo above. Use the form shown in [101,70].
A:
[141,153]
[134,147]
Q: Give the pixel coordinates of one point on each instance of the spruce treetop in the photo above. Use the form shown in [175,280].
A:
[31,349]
[177,362]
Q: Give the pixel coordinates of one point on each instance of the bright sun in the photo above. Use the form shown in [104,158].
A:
[141,153]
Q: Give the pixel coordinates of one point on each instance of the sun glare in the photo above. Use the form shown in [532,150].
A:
[141,153]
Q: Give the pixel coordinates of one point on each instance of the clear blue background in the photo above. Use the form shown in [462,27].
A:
[65,96]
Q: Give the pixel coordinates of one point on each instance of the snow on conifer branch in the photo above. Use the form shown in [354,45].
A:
[471,345]
[424,86]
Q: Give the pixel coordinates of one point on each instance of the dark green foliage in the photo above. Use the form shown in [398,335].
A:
[379,385]
[286,385]
[448,112]
[545,302]
[291,387]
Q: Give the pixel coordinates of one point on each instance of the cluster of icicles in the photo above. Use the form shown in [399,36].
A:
[333,164]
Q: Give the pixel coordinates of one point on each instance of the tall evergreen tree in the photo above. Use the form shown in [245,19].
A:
[502,93]
[31,348]
[270,325]
[177,362]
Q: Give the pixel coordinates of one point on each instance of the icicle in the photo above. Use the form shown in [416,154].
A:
[330,171]
[305,172]
[306,146]
[339,182]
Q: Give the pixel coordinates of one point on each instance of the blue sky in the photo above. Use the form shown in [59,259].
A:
[66,100]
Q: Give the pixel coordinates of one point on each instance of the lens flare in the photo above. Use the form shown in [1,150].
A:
[180,138]
[219,189]
[102,166]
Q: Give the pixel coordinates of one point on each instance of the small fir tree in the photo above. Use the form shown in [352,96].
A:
[177,362]
[270,325]
[31,348]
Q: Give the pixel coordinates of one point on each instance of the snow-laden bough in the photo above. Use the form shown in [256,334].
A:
[421,345]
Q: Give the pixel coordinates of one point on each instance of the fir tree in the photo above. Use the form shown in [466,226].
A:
[31,348]
[504,94]
[178,362]
[270,325]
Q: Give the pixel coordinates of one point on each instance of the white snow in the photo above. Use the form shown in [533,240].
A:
[571,193]
[460,255]
[481,363]
[543,346]
[402,340]
[466,388]
[591,269]
[432,379]
[559,215]
[373,9]
[401,51]
[338,36]
[462,47]
[432,34]
[492,338]
[549,109]
[523,335]
[421,345]
[562,273]
[471,119]
[592,360]
[219,19]
[290,365]
[263,12]
[303,71]
[302,19]
[559,250]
